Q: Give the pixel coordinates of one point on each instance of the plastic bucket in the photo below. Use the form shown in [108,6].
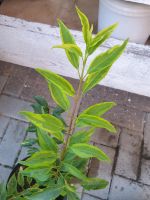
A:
[133,19]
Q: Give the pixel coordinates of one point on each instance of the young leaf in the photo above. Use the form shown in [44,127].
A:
[73,171]
[94,184]
[46,122]
[72,48]
[38,174]
[85,27]
[67,38]
[95,121]
[40,159]
[107,58]
[89,151]
[12,186]
[82,136]
[46,142]
[57,80]
[99,109]
[49,193]
[59,96]
[101,37]
[94,78]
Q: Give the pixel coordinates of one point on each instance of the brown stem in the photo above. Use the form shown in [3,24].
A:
[74,111]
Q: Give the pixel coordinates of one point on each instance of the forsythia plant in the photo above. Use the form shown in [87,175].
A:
[59,152]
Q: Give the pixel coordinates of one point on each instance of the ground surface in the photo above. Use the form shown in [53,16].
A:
[129,172]
[48,11]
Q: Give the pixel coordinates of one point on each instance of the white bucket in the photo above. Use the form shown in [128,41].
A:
[133,18]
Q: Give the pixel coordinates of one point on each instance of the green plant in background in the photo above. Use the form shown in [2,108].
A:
[63,147]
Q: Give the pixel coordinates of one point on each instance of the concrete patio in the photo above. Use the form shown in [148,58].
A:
[129,172]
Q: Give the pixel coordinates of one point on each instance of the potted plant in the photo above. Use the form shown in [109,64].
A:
[59,153]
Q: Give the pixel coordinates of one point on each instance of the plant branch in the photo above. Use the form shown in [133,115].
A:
[75,109]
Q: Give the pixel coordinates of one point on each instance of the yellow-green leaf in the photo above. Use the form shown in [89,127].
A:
[40,174]
[89,151]
[85,27]
[101,37]
[73,171]
[99,109]
[72,48]
[57,80]
[59,96]
[46,122]
[46,142]
[93,79]
[107,58]
[67,38]
[40,159]
[82,136]
[94,121]
[49,193]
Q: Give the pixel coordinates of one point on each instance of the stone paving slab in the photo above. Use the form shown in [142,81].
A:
[124,116]
[3,80]
[146,150]
[89,197]
[5,68]
[124,189]
[102,170]
[102,136]
[10,145]
[3,125]
[145,172]
[4,173]
[16,81]
[10,106]
[129,154]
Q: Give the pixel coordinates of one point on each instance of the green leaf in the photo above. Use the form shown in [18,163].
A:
[29,142]
[72,196]
[107,58]
[20,179]
[73,171]
[99,109]
[94,184]
[101,37]
[49,193]
[94,78]
[57,80]
[95,121]
[46,122]
[37,108]
[3,192]
[89,151]
[46,142]
[72,48]
[12,186]
[40,159]
[85,27]
[82,136]
[59,96]
[42,101]
[67,38]
[38,174]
